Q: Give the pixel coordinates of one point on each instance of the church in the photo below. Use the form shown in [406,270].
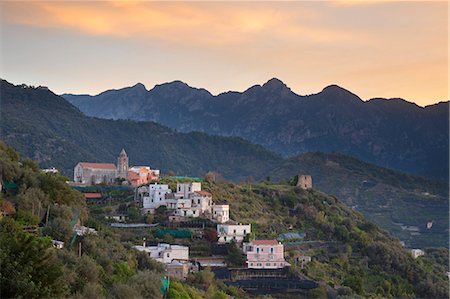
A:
[88,173]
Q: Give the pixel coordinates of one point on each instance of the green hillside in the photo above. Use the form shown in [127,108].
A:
[352,253]
[353,256]
[400,203]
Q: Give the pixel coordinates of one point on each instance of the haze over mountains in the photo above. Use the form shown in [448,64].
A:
[388,132]
[47,128]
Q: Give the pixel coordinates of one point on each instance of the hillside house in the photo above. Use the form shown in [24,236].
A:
[265,254]
[188,201]
[141,175]
[166,253]
[154,196]
[236,232]
[221,213]
[178,269]
[417,252]
[58,244]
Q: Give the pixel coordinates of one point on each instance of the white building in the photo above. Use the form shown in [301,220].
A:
[155,196]
[221,213]
[236,232]
[50,170]
[417,252]
[184,190]
[166,253]
[188,201]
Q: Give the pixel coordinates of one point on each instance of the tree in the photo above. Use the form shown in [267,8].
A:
[234,257]
[147,283]
[210,235]
[160,214]
[28,266]
[145,262]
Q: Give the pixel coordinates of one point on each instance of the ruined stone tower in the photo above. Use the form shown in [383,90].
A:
[122,165]
[304,181]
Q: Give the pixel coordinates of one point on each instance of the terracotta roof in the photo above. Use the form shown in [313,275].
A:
[98,165]
[265,242]
[90,195]
[204,193]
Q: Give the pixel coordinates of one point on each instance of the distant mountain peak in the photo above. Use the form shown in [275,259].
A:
[139,86]
[173,84]
[339,92]
[275,84]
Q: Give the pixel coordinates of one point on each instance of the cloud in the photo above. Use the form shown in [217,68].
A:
[195,23]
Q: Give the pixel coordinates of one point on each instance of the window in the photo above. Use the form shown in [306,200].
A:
[271,249]
[179,189]
[189,189]
[257,249]
[245,231]
[234,231]
[193,212]
[185,213]
[259,264]
[199,201]
[267,264]
[251,264]
[168,254]
[225,239]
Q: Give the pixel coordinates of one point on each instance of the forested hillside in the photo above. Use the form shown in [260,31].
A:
[48,129]
[32,268]
[350,255]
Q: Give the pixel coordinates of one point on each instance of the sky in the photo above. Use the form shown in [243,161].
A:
[372,48]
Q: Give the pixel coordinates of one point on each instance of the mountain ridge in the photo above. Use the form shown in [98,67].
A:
[392,133]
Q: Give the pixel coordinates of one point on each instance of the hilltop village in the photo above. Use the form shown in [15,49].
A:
[177,209]
[189,207]
[189,237]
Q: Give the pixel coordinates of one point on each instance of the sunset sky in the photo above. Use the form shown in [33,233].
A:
[372,48]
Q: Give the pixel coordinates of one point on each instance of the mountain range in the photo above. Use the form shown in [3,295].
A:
[45,127]
[391,133]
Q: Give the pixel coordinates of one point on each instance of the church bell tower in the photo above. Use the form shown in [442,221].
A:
[122,165]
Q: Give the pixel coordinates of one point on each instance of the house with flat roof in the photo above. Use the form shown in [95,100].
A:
[166,253]
[265,254]
[228,232]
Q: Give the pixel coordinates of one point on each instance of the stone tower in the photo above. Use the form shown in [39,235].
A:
[304,182]
[122,165]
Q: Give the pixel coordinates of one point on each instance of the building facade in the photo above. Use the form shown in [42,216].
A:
[166,253]
[188,201]
[265,254]
[94,173]
[88,173]
[122,165]
[141,175]
[221,213]
[228,232]
[304,182]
